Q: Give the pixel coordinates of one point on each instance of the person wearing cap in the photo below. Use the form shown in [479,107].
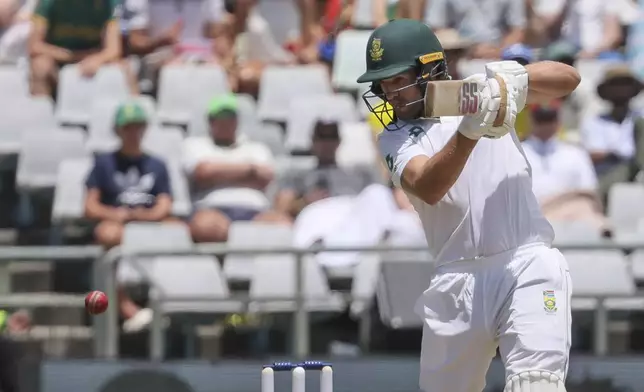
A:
[523,55]
[563,176]
[229,174]
[592,27]
[615,140]
[124,186]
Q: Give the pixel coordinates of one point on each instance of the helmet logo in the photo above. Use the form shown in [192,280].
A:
[376,49]
[430,57]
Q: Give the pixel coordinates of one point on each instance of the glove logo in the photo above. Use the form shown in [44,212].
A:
[376,49]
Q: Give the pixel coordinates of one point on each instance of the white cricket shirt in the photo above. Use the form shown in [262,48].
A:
[490,209]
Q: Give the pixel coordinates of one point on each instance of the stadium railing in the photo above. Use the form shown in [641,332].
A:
[106,334]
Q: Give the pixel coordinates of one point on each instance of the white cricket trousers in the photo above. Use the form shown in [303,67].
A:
[518,301]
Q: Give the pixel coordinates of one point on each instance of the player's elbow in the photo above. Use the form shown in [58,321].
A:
[428,196]
[432,199]
[572,79]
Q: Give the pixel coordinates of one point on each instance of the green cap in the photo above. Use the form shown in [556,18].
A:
[398,46]
[221,104]
[130,113]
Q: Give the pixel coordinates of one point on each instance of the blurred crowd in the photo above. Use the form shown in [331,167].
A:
[575,154]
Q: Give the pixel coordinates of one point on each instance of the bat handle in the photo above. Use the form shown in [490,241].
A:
[500,116]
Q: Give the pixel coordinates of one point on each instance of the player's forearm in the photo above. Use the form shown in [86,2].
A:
[549,80]
[441,171]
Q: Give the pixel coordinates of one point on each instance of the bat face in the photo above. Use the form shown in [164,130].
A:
[459,98]
[451,98]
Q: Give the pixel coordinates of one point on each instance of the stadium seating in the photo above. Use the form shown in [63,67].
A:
[347,67]
[279,86]
[185,89]
[69,196]
[24,115]
[76,93]
[239,267]
[192,285]
[41,154]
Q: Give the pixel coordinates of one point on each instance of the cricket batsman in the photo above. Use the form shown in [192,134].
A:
[498,283]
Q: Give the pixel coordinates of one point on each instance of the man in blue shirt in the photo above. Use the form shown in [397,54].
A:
[127,185]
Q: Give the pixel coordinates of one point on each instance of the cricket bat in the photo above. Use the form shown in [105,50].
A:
[459,98]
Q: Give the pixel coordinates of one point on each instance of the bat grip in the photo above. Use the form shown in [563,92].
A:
[500,116]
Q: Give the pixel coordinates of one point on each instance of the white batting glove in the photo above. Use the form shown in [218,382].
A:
[487,100]
[515,76]
[508,120]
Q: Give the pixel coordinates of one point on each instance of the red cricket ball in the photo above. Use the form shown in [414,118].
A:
[96,302]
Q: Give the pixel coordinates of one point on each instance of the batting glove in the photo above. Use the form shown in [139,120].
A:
[515,76]
[508,120]
[487,101]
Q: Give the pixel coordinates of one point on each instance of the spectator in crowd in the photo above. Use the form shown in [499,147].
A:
[456,48]
[564,52]
[503,23]
[124,186]
[156,46]
[228,174]
[563,177]
[69,32]
[593,27]
[338,206]
[524,56]
[299,189]
[15,25]
[243,42]
[385,10]
[320,23]
[615,139]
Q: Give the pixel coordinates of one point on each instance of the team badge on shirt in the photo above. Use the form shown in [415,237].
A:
[549,301]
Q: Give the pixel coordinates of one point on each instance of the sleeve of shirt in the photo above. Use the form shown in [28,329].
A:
[397,149]
[93,178]
[139,11]
[436,14]
[516,16]
[162,183]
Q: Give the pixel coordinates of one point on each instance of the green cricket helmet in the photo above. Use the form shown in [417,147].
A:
[394,48]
